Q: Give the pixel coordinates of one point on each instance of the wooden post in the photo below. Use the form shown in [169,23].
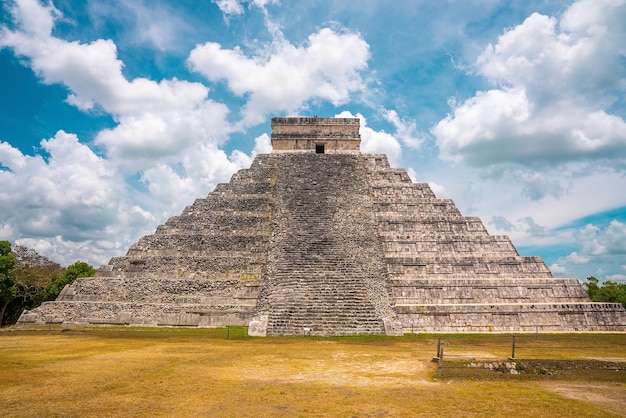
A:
[513,348]
[440,362]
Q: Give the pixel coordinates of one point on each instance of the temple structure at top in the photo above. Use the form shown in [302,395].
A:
[316,135]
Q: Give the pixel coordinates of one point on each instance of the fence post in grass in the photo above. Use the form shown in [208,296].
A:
[513,348]
[440,361]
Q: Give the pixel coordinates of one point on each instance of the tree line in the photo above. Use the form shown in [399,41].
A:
[27,279]
[608,291]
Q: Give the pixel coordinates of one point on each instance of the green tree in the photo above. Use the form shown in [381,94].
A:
[592,287]
[7,284]
[608,292]
[32,273]
[72,272]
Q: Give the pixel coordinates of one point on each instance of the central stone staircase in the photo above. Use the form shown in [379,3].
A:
[326,274]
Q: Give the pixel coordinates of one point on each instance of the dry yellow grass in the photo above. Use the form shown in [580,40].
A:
[135,372]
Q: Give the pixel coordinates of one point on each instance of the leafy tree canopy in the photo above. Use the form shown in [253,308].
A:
[72,272]
[7,259]
[27,279]
[32,270]
[607,292]
[7,284]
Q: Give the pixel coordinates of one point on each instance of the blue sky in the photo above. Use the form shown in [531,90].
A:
[115,115]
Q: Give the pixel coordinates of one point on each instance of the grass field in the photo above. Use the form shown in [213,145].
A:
[199,372]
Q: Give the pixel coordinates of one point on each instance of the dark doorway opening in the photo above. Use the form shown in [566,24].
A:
[319,148]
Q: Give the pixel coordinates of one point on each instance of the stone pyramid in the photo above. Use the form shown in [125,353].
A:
[317,238]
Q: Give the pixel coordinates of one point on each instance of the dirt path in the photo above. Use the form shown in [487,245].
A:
[340,367]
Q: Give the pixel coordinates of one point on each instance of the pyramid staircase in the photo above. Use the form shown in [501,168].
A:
[326,273]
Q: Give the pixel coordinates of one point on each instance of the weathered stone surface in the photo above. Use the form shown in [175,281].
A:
[326,271]
[327,241]
[316,135]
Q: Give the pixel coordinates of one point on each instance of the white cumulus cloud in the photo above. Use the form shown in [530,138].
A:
[286,76]
[601,251]
[157,121]
[551,102]
[406,131]
[70,197]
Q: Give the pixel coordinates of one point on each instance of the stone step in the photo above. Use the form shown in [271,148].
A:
[509,317]
[137,314]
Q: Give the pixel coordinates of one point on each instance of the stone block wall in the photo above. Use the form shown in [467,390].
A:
[529,317]
[303,135]
[424,236]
